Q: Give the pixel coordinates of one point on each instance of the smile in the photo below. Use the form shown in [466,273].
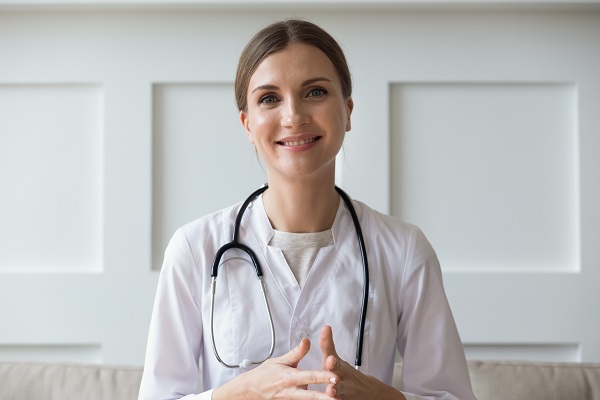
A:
[299,143]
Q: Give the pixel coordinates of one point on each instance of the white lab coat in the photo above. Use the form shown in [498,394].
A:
[407,306]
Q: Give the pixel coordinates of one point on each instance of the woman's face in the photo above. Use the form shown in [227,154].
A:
[297,115]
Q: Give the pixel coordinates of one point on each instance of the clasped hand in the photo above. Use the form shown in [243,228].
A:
[279,378]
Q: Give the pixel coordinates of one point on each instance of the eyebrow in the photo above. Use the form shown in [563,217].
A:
[307,82]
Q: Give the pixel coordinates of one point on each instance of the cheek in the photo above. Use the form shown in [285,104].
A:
[339,123]
[262,119]
[262,124]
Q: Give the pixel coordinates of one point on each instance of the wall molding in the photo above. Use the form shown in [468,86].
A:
[296,5]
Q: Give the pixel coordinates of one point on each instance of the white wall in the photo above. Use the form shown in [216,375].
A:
[118,124]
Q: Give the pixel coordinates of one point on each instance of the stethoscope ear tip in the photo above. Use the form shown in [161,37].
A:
[245,363]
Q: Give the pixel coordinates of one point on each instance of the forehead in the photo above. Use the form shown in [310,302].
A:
[297,62]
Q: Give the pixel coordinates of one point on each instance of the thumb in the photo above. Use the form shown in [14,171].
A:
[293,357]
[327,345]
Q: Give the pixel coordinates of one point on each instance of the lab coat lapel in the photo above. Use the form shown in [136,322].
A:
[329,259]
[275,270]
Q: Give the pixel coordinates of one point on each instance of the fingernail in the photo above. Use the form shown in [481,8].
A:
[332,380]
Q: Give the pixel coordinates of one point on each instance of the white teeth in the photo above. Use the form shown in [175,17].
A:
[299,143]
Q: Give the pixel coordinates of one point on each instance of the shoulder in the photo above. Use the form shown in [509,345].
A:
[374,219]
[200,238]
[392,232]
[213,224]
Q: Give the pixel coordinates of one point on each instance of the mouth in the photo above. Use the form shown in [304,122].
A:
[296,143]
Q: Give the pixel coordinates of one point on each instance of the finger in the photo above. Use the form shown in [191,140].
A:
[333,364]
[293,357]
[316,378]
[333,390]
[326,343]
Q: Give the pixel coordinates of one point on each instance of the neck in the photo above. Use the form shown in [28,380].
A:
[301,207]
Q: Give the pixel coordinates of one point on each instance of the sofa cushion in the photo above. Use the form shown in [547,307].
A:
[492,380]
[41,381]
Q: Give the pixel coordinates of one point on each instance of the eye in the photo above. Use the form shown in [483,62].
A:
[316,92]
[268,100]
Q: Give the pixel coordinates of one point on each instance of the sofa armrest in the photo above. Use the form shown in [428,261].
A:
[525,380]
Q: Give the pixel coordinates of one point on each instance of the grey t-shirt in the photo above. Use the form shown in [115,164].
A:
[300,249]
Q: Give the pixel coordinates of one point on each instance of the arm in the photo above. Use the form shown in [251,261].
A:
[434,365]
[433,358]
[171,370]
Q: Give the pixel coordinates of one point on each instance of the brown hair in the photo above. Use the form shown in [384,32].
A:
[278,36]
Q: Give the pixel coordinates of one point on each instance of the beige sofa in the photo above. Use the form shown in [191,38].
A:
[491,380]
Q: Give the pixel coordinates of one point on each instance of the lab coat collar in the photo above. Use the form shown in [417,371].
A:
[283,277]
[264,231]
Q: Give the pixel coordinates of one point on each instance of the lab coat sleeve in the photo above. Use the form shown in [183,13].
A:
[171,369]
[434,365]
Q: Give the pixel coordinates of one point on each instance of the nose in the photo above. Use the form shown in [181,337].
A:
[294,115]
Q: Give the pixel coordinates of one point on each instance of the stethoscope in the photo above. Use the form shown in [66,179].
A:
[235,244]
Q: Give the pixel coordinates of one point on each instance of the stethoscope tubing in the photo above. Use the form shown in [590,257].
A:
[235,244]
[245,363]
[365,262]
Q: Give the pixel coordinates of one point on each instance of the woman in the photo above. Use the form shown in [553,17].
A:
[293,90]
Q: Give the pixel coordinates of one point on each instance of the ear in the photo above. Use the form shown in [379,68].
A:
[246,123]
[349,108]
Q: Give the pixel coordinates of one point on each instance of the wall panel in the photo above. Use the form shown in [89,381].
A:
[91,353]
[490,172]
[568,352]
[51,172]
